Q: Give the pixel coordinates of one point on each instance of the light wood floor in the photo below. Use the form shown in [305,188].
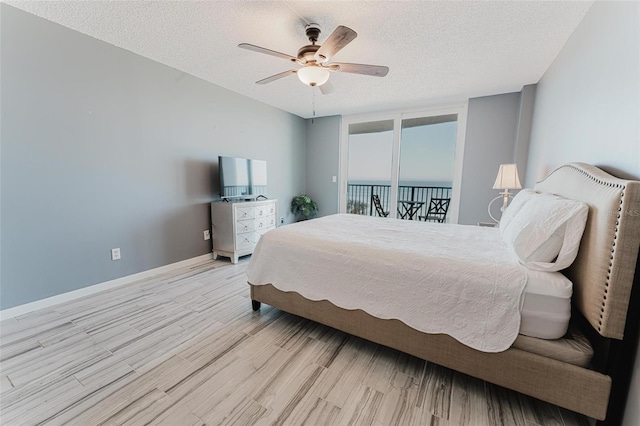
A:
[185,348]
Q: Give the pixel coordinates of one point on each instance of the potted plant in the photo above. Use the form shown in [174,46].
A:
[303,207]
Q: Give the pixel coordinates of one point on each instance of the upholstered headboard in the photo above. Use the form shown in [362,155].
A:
[603,271]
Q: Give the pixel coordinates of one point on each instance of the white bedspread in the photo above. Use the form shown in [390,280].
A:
[437,278]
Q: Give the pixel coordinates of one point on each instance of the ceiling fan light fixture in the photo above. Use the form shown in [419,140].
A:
[313,75]
[316,59]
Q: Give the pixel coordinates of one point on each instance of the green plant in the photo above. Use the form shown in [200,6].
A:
[357,207]
[303,207]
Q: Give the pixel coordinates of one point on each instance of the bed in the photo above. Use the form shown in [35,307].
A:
[587,370]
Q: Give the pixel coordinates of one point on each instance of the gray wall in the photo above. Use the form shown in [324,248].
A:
[497,132]
[492,124]
[587,101]
[323,153]
[588,109]
[103,148]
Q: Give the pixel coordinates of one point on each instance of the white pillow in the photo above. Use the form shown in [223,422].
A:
[545,233]
[516,205]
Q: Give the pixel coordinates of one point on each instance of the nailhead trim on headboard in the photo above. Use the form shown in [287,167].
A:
[613,250]
[613,240]
[604,287]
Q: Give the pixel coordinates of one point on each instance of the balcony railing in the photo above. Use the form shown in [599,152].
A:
[359,198]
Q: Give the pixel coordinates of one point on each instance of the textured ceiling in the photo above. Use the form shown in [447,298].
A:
[437,51]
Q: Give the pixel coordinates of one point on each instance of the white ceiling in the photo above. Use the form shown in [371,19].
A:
[437,51]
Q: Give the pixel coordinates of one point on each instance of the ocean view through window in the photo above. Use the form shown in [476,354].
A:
[424,166]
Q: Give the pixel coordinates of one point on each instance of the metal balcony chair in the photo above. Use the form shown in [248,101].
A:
[378,205]
[437,212]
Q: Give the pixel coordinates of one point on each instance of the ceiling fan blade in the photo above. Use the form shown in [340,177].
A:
[373,70]
[276,77]
[267,51]
[338,39]
[326,88]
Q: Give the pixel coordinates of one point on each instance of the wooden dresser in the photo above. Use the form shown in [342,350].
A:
[237,226]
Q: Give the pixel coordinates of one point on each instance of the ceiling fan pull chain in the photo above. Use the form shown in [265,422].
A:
[313,116]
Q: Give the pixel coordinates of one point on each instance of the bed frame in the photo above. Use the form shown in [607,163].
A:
[605,301]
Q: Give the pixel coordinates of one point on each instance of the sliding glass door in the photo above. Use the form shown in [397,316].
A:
[369,168]
[405,166]
[427,159]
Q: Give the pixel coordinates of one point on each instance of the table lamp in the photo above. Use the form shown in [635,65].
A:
[507,179]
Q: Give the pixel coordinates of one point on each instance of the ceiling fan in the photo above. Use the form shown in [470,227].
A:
[315,58]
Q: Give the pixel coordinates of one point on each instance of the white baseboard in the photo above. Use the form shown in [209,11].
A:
[96,288]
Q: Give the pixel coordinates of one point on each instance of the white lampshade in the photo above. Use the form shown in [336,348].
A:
[507,177]
[313,75]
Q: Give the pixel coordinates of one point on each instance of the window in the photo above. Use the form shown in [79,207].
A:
[396,165]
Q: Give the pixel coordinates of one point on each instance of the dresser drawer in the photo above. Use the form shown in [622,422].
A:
[271,221]
[246,240]
[265,222]
[262,211]
[245,212]
[271,209]
[245,225]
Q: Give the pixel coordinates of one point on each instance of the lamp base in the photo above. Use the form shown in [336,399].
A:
[505,202]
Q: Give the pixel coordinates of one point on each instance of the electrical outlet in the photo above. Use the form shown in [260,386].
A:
[281,220]
[207,234]
[115,254]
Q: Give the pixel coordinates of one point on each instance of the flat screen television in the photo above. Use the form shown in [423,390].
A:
[242,177]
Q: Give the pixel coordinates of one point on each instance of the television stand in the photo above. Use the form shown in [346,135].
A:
[238,225]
